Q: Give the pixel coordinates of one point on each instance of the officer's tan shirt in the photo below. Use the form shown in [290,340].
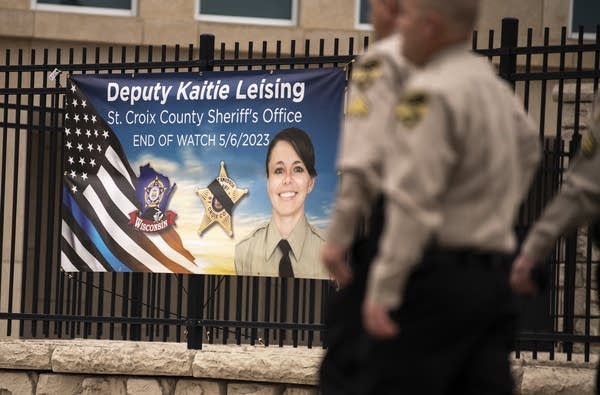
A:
[468,153]
[375,85]
[577,203]
[258,254]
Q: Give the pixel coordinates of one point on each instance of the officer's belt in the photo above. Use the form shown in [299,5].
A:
[467,257]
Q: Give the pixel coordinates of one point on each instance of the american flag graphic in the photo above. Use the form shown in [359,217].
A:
[98,196]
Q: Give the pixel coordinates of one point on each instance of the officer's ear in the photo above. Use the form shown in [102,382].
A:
[311,184]
[432,22]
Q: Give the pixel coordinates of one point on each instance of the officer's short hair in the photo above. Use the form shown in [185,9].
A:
[301,143]
[462,13]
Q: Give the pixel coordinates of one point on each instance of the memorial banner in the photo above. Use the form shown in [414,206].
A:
[213,172]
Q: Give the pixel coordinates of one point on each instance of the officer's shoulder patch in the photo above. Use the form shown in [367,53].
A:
[366,72]
[358,106]
[412,107]
[588,144]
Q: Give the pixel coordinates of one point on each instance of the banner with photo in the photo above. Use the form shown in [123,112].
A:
[213,172]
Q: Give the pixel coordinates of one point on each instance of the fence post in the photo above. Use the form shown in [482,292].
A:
[137,295]
[508,41]
[196,283]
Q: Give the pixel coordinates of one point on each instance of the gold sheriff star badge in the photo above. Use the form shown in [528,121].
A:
[219,198]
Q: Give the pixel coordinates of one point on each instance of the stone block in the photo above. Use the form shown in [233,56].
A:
[254,389]
[17,383]
[15,4]
[517,373]
[552,380]
[580,298]
[144,387]
[25,355]
[580,326]
[59,384]
[200,387]
[98,28]
[325,14]
[288,365]
[16,23]
[301,391]
[160,31]
[570,90]
[134,358]
[171,10]
[104,385]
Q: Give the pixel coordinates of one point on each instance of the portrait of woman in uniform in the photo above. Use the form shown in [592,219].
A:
[286,246]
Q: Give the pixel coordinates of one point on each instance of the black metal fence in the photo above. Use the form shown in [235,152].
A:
[557,84]
[38,300]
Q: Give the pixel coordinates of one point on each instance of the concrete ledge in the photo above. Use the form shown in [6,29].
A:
[122,367]
[269,364]
[131,358]
[25,355]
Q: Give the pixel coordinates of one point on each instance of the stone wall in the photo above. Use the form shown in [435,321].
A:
[118,367]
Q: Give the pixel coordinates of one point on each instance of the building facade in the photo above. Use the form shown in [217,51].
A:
[66,23]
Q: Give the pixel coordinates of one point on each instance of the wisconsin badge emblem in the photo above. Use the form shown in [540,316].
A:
[218,198]
[153,191]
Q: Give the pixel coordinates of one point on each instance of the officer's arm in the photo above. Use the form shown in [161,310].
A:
[353,193]
[367,119]
[413,188]
[529,147]
[577,203]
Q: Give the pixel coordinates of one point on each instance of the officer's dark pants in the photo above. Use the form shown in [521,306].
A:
[597,242]
[341,367]
[457,327]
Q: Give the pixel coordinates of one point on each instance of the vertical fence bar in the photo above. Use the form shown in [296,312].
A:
[59,274]
[137,279]
[491,33]
[3,166]
[4,187]
[15,202]
[87,303]
[179,307]
[196,281]
[99,276]
[71,283]
[36,142]
[508,41]
[50,188]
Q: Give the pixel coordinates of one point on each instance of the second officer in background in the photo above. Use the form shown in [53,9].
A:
[438,301]
[357,219]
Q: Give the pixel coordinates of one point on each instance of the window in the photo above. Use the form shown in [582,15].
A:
[584,13]
[260,12]
[107,7]
[363,9]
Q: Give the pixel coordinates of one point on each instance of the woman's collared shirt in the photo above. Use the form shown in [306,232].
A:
[258,255]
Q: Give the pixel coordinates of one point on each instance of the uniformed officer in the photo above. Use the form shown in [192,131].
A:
[357,220]
[288,246]
[438,298]
[578,203]
[259,253]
